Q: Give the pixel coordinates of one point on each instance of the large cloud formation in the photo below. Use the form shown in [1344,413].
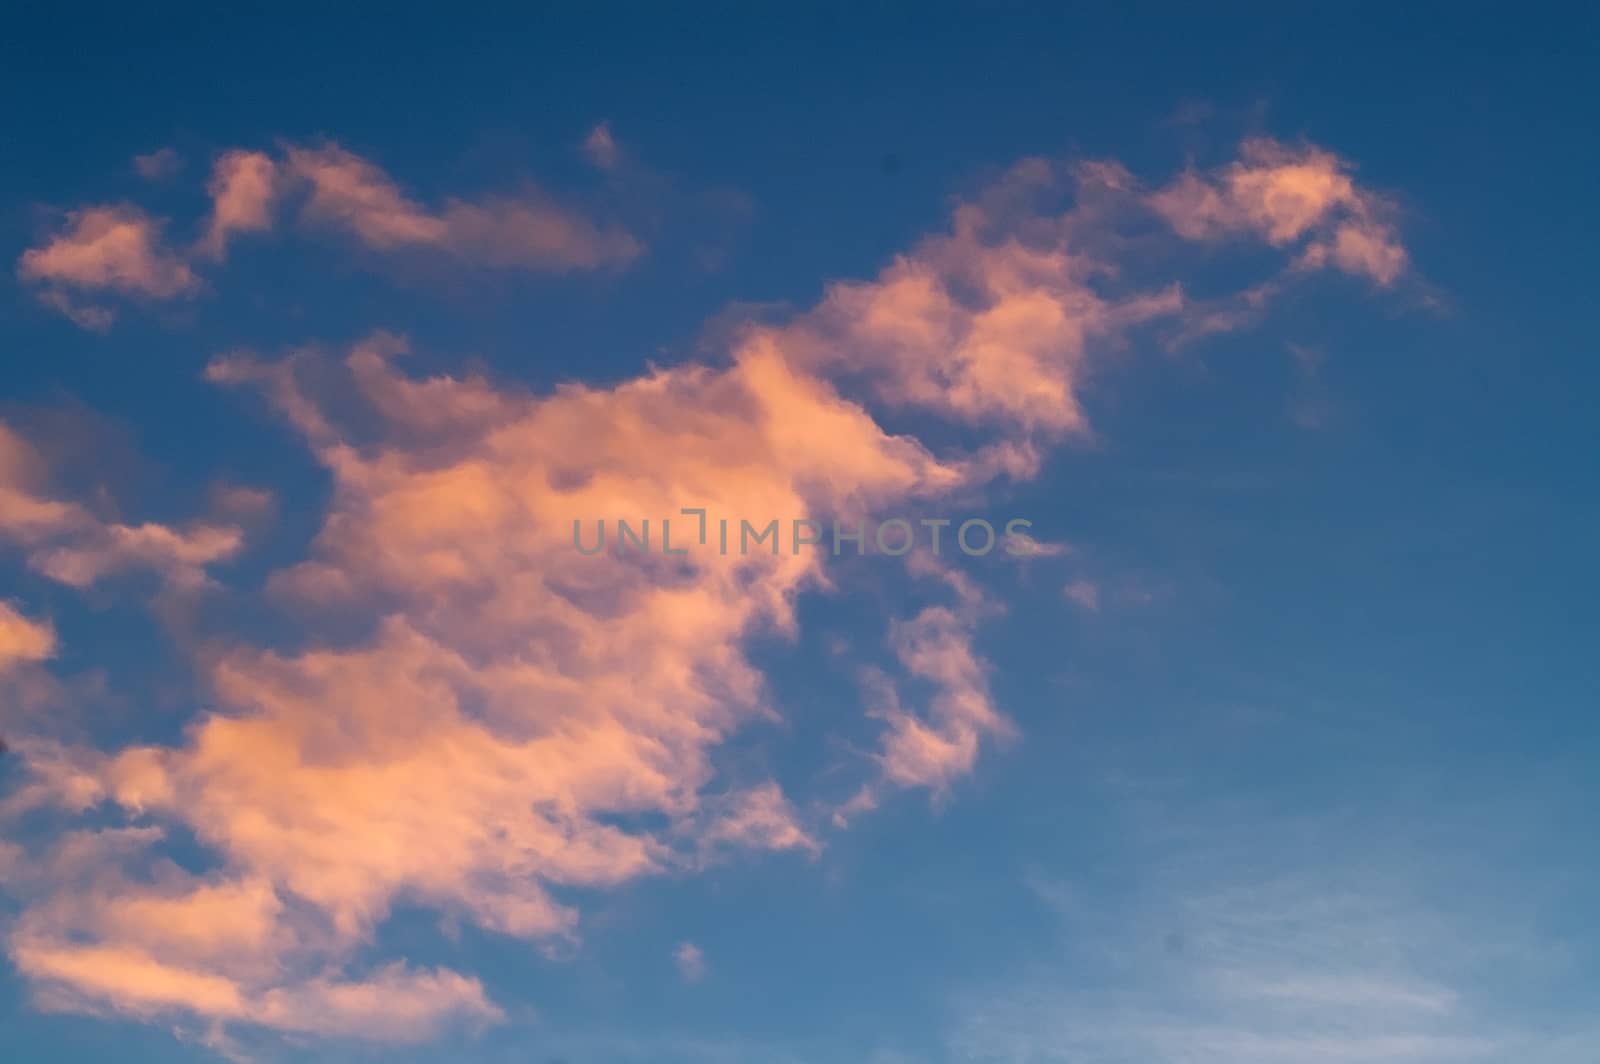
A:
[479,720]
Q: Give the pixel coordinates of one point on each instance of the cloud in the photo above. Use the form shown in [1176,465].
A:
[67,542]
[691,962]
[1085,593]
[993,323]
[84,315]
[119,249]
[111,248]
[349,192]
[242,187]
[1026,546]
[23,641]
[1286,194]
[527,232]
[1255,936]
[601,147]
[760,818]
[1361,246]
[159,165]
[396,1004]
[175,946]
[934,748]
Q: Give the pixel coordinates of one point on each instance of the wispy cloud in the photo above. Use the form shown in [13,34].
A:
[118,249]
[1085,593]
[1241,945]
[158,165]
[602,148]
[66,541]
[527,231]
[23,640]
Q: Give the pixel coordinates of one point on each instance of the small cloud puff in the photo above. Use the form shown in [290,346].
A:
[1285,194]
[114,248]
[159,165]
[691,962]
[1085,593]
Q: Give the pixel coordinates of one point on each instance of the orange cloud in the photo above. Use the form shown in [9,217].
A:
[395,1004]
[349,192]
[113,248]
[1085,593]
[528,232]
[933,748]
[691,961]
[173,945]
[109,247]
[1360,246]
[760,818]
[242,187]
[67,542]
[120,249]
[1285,194]
[22,640]
[994,323]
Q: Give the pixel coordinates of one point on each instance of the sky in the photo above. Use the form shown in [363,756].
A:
[1264,344]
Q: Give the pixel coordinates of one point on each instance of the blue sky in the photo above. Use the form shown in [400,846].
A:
[324,745]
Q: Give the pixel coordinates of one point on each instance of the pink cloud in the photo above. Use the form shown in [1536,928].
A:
[84,315]
[933,748]
[109,247]
[349,192]
[22,640]
[67,542]
[159,165]
[760,818]
[120,249]
[1360,246]
[115,249]
[1285,194]
[995,323]
[243,186]
[395,1005]
[527,232]
[1084,593]
[232,950]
